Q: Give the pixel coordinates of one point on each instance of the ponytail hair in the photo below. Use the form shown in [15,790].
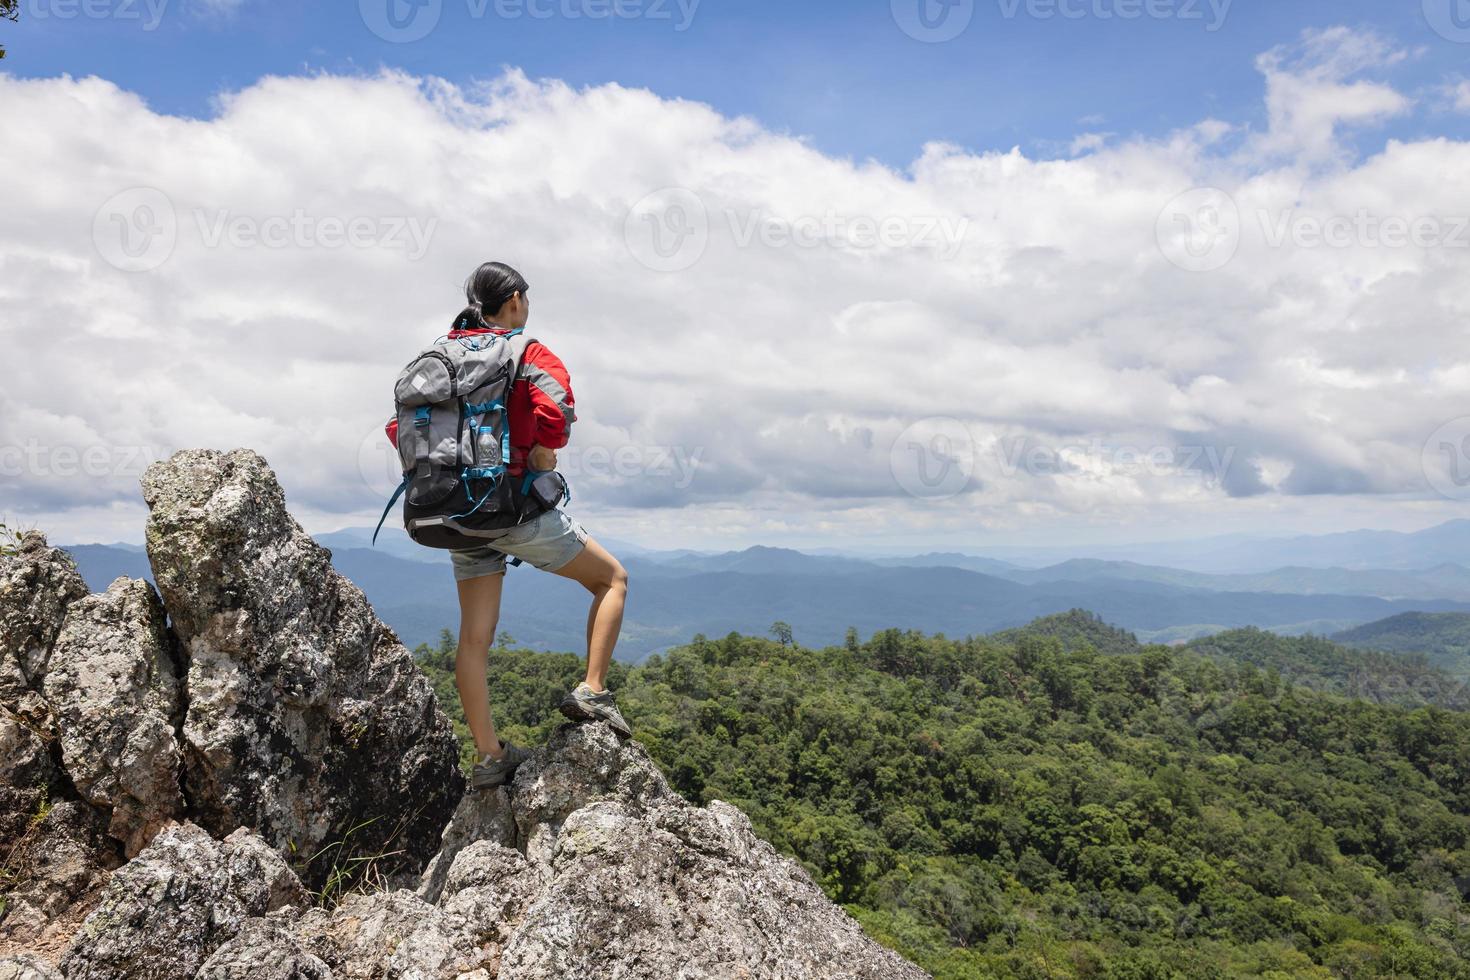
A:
[488,289]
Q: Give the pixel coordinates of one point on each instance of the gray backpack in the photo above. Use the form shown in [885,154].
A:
[454,441]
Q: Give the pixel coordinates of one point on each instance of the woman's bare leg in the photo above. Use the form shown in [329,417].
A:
[479,613]
[602,575]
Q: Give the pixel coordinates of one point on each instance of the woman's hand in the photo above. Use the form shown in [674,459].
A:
[541,459]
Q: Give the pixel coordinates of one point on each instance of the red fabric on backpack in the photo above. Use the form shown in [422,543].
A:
[535,417]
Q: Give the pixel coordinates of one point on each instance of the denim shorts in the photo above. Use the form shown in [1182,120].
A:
[548,542]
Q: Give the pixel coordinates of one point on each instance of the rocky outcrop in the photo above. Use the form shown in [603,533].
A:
[186,895]
[36,587]
[306,718]
[112,684]
[52,873]
[264,949]
[54,851]
[594,868]
[257,732]
[635,874]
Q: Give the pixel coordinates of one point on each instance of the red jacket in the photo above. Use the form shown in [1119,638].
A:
[542,409]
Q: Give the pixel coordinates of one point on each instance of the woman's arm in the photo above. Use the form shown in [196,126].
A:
[552,402]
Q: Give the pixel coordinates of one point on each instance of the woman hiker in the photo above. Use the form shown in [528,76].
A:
[540,412]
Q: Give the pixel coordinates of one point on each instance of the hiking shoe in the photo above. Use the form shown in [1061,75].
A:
[490,772]
[584,705]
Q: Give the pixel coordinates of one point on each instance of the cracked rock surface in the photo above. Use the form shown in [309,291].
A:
[306,716]
[53,845]
[112,685]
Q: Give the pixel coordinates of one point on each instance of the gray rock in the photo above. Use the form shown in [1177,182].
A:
[624,878]
[490,887]
[581,764]
[620,878]
[26,968]
[54,867]
[170,908]
[481,816]
[393,936]
[53,847]
[306,717]
[28,775]
[36,587]
[112,687]
[263,949]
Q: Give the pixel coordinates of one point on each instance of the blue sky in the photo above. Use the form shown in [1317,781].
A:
[844,75]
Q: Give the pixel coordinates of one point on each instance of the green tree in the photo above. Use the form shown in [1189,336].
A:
[9,10]
[782,632]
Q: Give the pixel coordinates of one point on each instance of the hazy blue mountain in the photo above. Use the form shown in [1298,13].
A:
[1192,553]
[1446,581]
[393,541]
[767,561]
[950,559]
[675,596]
[1237,553]
[1444,543]
[100,564]
[667,606]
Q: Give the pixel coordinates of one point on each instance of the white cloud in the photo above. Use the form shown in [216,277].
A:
[760,392]
[1461,96]
[1089,142]
[218,7]
[1312,90]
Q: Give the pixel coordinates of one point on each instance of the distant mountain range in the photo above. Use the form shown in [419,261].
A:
[1446,543]
[675,595]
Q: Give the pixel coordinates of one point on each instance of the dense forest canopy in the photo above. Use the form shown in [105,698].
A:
[1029,807]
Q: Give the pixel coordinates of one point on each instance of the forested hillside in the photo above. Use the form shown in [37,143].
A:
[1407,679]
[1075,629]
[1018,809]
[1443,638]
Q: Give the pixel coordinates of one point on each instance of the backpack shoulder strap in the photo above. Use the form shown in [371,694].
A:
[518,345]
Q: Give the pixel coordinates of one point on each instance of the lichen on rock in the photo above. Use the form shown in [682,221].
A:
[183,897]
[112,685]
[306,717]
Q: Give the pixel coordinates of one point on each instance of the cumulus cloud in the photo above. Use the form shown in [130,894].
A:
[766,343]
